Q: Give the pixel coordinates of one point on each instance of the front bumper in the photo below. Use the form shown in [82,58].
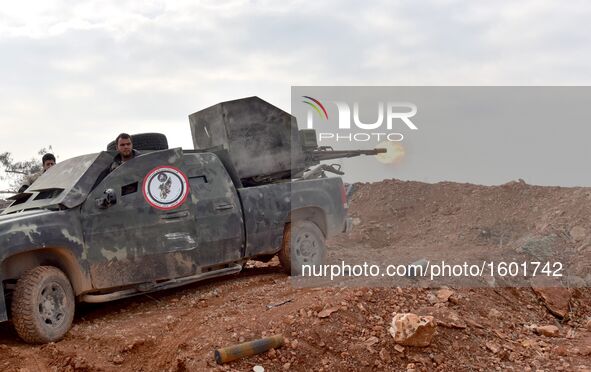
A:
[3,313]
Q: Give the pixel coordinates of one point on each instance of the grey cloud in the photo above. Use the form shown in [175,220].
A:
[91,69]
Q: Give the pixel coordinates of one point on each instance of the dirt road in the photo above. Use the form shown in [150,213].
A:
[478,328]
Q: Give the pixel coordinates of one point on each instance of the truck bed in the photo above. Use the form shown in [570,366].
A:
[267,208]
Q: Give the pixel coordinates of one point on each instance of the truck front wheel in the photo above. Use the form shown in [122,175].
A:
[43,305]
[303,244]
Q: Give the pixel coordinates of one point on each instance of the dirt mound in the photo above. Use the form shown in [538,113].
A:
[331,329]
[404,221]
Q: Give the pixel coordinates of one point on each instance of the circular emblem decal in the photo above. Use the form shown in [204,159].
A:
[165,187]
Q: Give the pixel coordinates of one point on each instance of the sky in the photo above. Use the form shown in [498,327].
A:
[75,74]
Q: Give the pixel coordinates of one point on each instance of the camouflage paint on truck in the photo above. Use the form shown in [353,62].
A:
[268,207]
[134,242]
[108,233]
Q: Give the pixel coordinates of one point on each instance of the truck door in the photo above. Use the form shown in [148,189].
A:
[138,222]
[217,209]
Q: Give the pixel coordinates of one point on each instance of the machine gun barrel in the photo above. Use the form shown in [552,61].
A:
[320,155]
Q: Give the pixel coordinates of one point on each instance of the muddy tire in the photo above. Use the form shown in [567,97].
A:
[43,305]
[145,141]
[303,244]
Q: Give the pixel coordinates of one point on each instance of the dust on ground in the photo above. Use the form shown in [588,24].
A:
[330,329]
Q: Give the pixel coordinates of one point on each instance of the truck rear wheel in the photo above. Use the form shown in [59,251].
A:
[303,244]
[43,305]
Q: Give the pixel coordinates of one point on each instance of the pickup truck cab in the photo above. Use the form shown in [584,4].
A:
[165,218]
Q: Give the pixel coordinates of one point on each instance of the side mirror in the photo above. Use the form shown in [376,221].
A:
[108,200]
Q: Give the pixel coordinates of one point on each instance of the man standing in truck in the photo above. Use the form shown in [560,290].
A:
[47,161]
[125,150]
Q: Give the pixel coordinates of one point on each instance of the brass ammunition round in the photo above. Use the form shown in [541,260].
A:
[230,353]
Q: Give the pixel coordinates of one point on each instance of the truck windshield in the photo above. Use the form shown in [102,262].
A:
[64,175]
[66,184]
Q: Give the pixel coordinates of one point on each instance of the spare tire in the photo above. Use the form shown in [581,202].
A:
[144,141]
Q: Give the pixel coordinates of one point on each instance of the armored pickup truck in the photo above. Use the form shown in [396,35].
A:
[84,233]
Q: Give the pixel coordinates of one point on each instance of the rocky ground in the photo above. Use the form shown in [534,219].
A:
[461,328]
